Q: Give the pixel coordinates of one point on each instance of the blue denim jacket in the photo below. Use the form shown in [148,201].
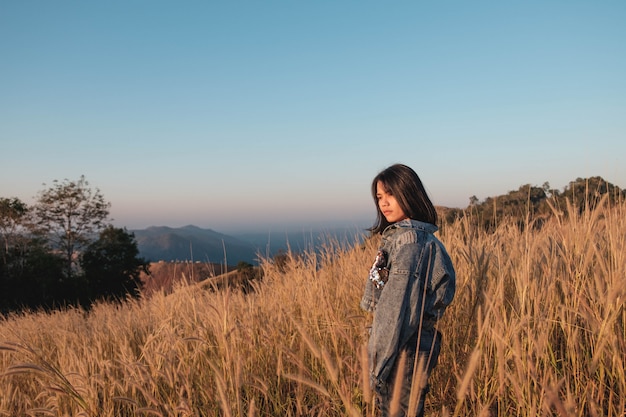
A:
[420,285]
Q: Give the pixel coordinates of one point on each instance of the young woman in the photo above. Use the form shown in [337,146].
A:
[409,287]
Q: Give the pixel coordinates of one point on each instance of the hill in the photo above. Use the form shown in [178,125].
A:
[161,243]
[192,243]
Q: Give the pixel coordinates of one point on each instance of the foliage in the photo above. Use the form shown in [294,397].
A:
[41,244]
[530,203]
[32,277]
[112,265]
[12,214]
[68,214]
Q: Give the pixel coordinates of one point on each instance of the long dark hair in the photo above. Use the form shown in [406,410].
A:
[405,185]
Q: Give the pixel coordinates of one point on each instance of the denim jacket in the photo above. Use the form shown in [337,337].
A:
[420,285]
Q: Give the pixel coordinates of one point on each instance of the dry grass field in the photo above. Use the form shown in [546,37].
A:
[537,328]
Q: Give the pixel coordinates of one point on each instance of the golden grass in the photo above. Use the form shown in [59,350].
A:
[537,328]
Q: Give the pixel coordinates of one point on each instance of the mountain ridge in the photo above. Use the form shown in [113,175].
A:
[191,243]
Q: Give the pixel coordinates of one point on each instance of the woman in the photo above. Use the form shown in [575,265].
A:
[410,285]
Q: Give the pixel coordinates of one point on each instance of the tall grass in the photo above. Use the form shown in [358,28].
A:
[536,329]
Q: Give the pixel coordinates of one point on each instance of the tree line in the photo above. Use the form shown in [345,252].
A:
[63,251]
[532,204]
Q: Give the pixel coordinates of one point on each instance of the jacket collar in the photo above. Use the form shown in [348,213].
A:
[413,224]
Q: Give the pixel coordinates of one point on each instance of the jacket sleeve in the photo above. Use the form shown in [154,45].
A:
[442,282]
[370,296]
[390,314]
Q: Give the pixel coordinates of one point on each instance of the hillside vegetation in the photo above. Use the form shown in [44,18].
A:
[537,328]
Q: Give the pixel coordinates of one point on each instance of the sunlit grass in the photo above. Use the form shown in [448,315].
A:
[537,328]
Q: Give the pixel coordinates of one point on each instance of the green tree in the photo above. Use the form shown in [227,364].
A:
[112,266]
[16,250]
[13,213]
[38,281]
[586,193]
[69,214]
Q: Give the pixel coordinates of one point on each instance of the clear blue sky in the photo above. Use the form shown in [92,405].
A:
[224,114]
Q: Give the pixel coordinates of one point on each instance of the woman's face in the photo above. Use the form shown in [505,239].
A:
[388,204]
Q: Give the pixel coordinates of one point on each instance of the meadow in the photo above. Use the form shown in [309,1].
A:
[537,328]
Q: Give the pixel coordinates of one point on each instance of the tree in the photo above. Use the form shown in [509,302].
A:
[14,251]
[69,214]
[111,265]
[38,282]
[586,193]
[13,212]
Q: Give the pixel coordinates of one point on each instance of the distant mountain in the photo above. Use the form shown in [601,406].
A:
[192,243]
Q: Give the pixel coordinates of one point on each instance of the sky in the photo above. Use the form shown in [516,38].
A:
[255,114]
